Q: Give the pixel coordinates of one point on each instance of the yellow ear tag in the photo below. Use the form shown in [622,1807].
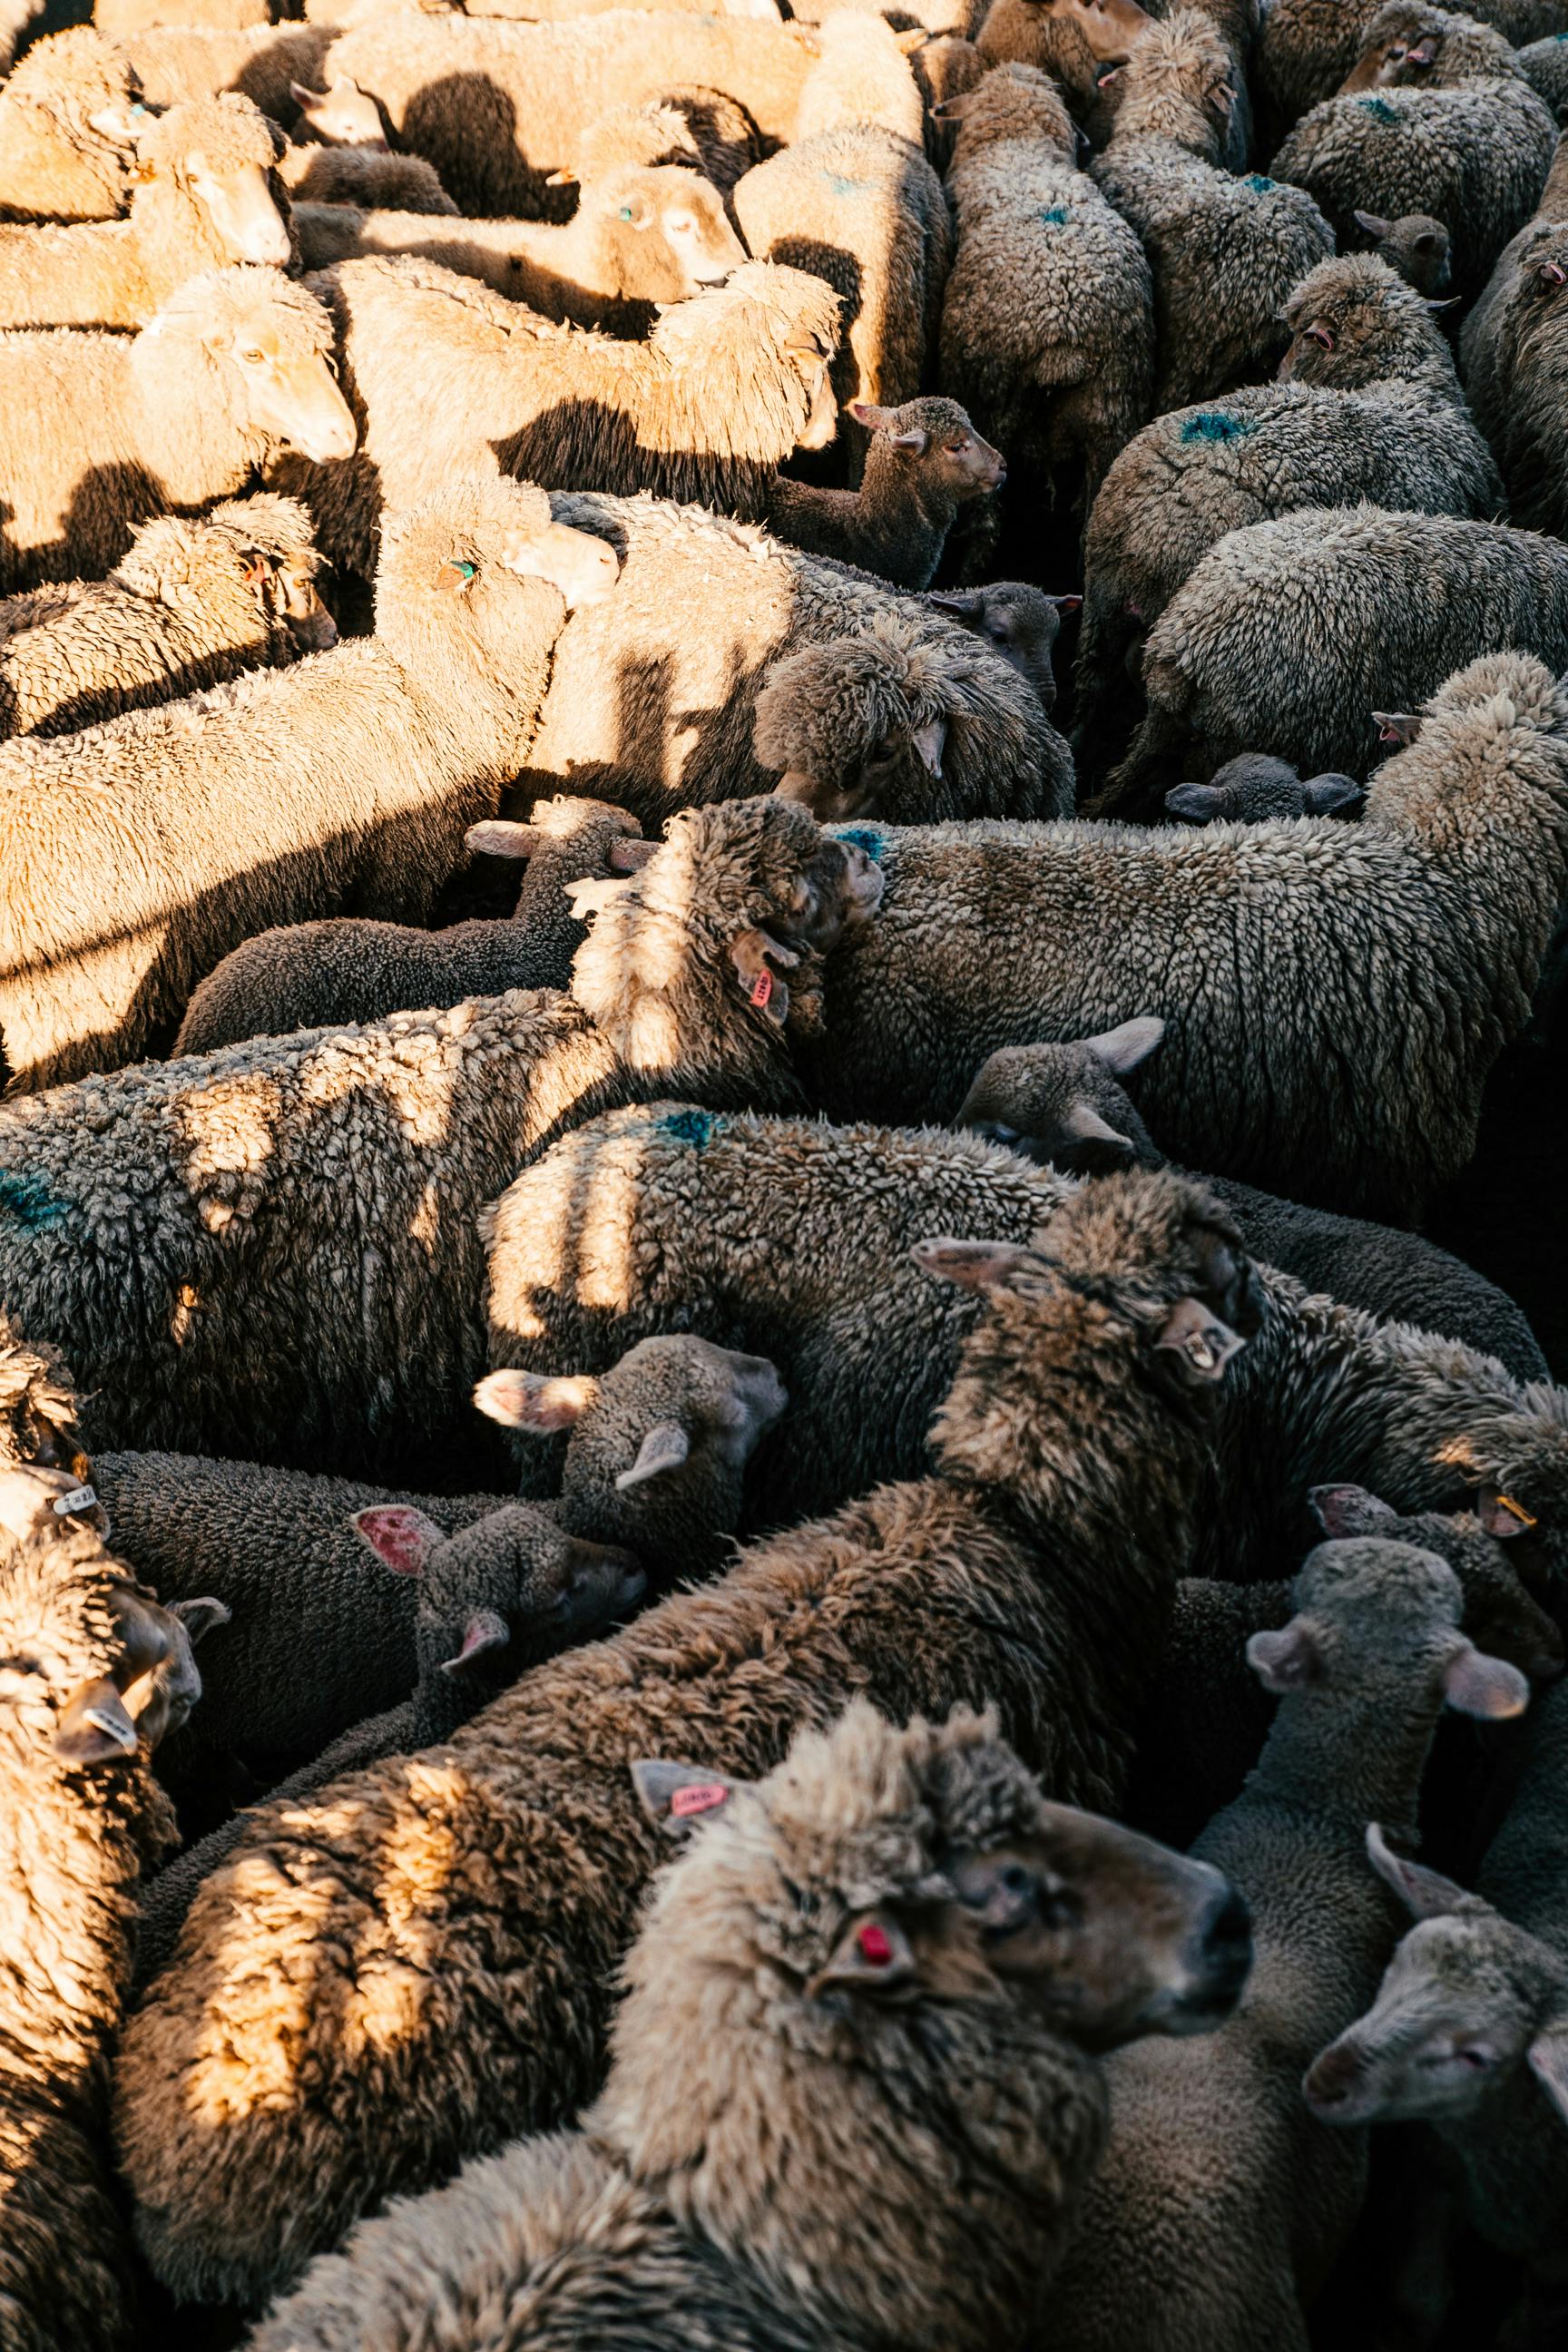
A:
[1519,1511]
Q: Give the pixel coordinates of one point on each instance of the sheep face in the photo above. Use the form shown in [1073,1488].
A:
[269,344]
[1352,319]
[460,559]
[1019,622]
[1110,26]
[242,207]
[860,727]
[292,396]
[661,233]
[286,586]
[1499,1614]
[1417,245]
[930,441]
[342,115]
[1399,52]
[1061,1106]
[37,1412]
[1253,788]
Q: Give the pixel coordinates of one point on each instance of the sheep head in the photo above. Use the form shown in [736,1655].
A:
[1177,84]
[342,115]
[261,348]
[220,154]
[1011,101]
[1062,1106]
[1355,321]
[928,451]
[1499,1614]
[1253,788]
[1017,620]
[860,727]
[659,233]
[768,325]
[464,559]
[1417,245]
[1409,46]
[1110,26]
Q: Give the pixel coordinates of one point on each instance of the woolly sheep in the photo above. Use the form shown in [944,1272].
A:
[1254,788]
[638,238]
[861,74]
[1545,65]
[727,384]
[854,1889]
[69,119]
[1063,1106]
[1416,244]
[1472,142]
[1066,1470]
[1224,252]
[377,756]
[364,176]
[345,969]
[677,689]
[100,432]
[190,603]
[37,1407]
[1509,352]
[240,1200]
[1021,621]
[924,461]
[93,1668]
[1307,47]
[1238,2237]
[694,128]
[1368,409]
[1048,327]
[1289,635]
[1070,40]
[176,62]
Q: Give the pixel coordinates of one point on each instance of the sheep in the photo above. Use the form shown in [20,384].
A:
[1065,1466]
[1237,2237]
[1021,621]
[365,176]
[924,461]
[1254,789]
[37,1407]
[863,208]
[99,432]
[676,690]
[639,238]
[696,127]
[1472,141]
[1224,252]
[846,1893]
[1510,349]
[727,384]
[173,63]
[190,604]
[1047,329]
[1295,635]
[94,1672]
[1063,1107]
[240,1197]
[1416,244]
[1545,65]
[1368,409]
[116,19]
[346,968]
[861,73]
[69,119]
[377,755]
[1070,40]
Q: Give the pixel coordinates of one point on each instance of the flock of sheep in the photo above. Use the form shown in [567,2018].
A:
[957,1704]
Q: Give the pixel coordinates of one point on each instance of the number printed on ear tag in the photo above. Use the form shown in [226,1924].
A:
[80,1498]
[761,987]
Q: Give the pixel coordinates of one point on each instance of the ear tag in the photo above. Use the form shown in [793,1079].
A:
[1520,1513]
[876,1946]
[255,574]
[80,1498]
[761,988]
[700,1797]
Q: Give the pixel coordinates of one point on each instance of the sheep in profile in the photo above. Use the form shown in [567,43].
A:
[923,462]
[1511,353]
[1416,244]
[1070,40]
[1256,790]
[727,385]
[378,755]
[1459,133]
[1036,1565]
[881,1891]
[346,967]
[190,604]
[69,122]
[1047,329]
[1225,252]
[338,153]
[99,432]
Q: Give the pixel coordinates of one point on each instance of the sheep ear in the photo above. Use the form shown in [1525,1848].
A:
[629,857]
[1349,1511]
[1196,802]
[485,1631]
[876,1956]
[1066,604]
[1548,2057]
[676,1797]
[1474,1684]
[1398,726]
[965,604]
[1121,1049]
[930,741]
[1201,1344]
[1373,225]
[201,1617]
[453,574]
[1081,1121]
[1501,1515]
[497,837]
[1438,304]
[974,1265]
[666,1447]
[94,1727]
[539,1404]
[1285,1660]
[955,109]
[1323,794]
[913,40]
[1426,1893]
[754,954]
[564,178]
[875,419]
[401,1537]
[915,439]
[304,98]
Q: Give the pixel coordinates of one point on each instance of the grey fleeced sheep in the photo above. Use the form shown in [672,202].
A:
[1416,244]
[924,461]
[365,176]
[1020,621]
[315,975]
[238,1214]
[1048,328]
[190,604]
[377,756]
[727,385]
[656,695]
[1514,351]
[1254,788]
[1470,141]
[1290,635]
[68,121]
[99,432]
[205,196]
[1307,47]
[1038,1567]
[1224,252]
[1236,2238]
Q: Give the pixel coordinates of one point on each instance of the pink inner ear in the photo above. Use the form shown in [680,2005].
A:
[400,1535]
[1488,1687]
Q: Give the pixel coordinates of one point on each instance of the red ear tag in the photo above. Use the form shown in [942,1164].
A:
[702,1797]
[761,987]
[875,1945]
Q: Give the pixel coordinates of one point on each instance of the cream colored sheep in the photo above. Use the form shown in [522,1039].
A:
[68,122]
[115,19]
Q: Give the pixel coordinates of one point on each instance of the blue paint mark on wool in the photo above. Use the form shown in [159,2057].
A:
[688,1126]
[1213,424]
[1379,109]
[30,1202]
[1055,217]
[843,187]
[1258,184]
[860,837]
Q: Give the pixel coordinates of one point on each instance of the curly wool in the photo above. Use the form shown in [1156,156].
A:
[1514,353]
[363,175]
[56,164]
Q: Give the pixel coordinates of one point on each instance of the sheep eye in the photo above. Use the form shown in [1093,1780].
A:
[254,359]
[997,634]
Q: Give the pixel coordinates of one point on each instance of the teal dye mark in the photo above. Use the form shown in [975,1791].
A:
[862,837]
[1213,424]
[842,186]
[688,1126]
[1055,217]
[1258,184]
[1379,109]
[30,1202]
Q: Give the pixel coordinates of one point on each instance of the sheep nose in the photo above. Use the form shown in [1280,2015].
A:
[1224,1947]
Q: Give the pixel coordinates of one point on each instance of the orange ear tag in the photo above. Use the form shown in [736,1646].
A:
[702,1797]
[761,987]
[1520,1514]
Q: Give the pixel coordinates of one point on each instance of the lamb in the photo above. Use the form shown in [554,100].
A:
[377,755]
[676,690]
[1472,141]
[1021,621]
[1254,789]
[366,176]
[346,968]
[638,238]
[1237,2237]
[727,384]
[1063,1107]
[1036,1566]
[93,1667]
[68,118]
[99,432]
[1225,253]
[865,1865]
[1416,244]
[205,196]
[1368,409]
[191,603]
[241,1197]
[924,461]
[1060,364]
[1511,352]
